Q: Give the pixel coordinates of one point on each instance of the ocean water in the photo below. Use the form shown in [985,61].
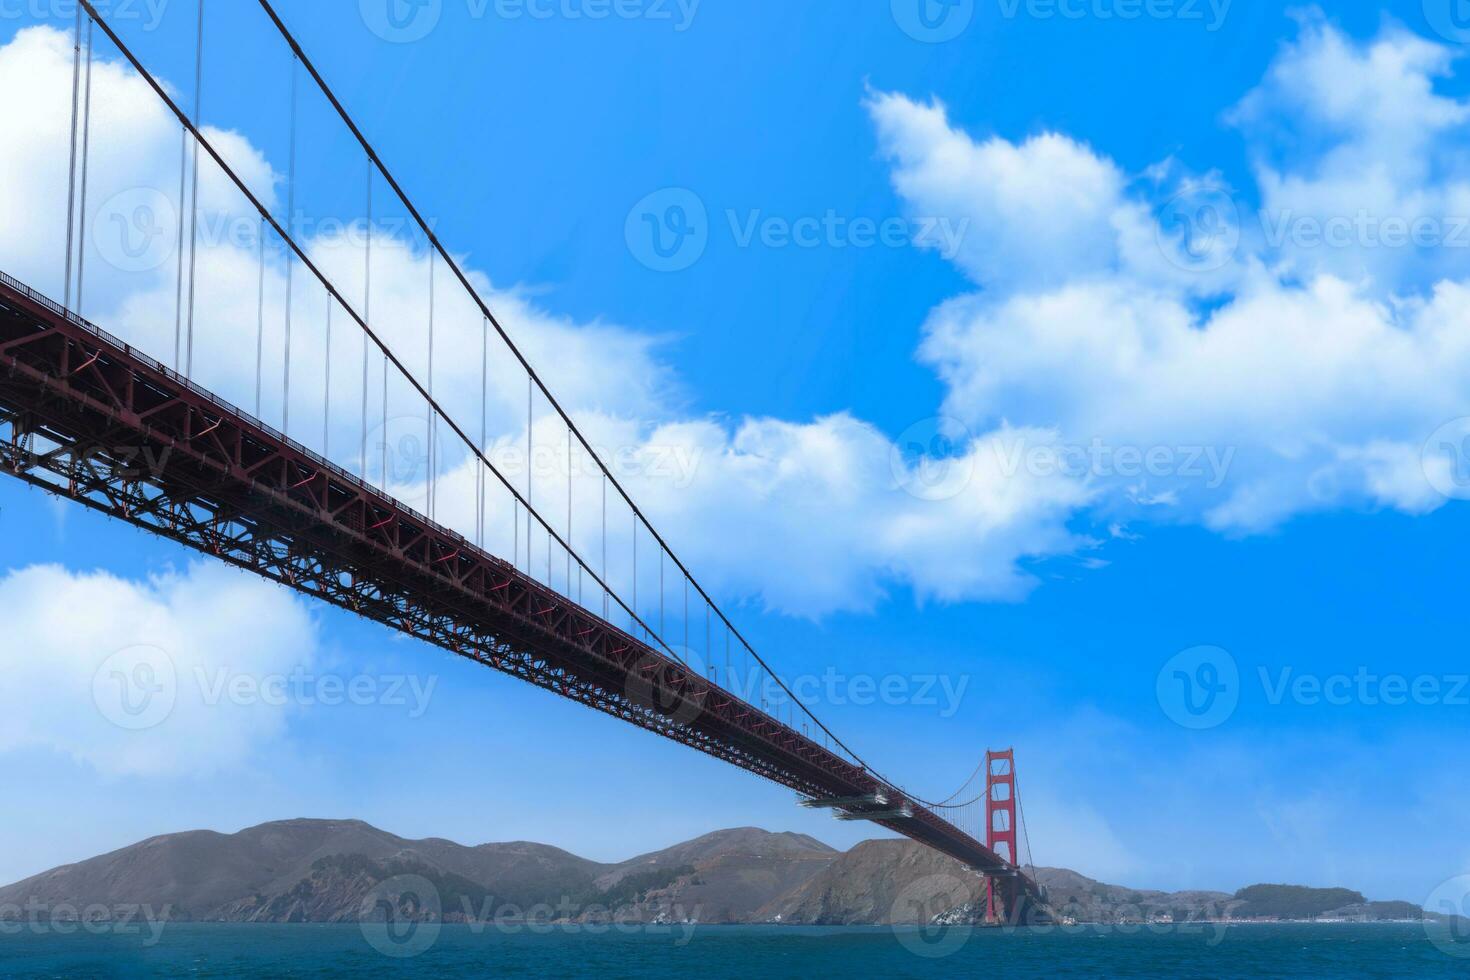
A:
[1300,952]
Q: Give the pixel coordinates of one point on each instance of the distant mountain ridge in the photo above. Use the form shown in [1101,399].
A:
[334,870]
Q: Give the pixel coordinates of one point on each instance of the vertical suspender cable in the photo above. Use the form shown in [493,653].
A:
[259,315]
[635,572]
[484,429]
[530,466]
[327,394]
[86,156]
[569,475]
[433,418]
[532,378]
[179,253]
[290,227]
[604,544]
[367,312]
[297,251]
[194,192]
[383,442]
[71,178]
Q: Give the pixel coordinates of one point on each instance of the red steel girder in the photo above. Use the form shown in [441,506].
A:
[88,417]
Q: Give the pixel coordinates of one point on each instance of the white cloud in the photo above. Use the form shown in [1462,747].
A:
[1358,131]
[122,675]
[1318,371]
[1275,381]
[805,517]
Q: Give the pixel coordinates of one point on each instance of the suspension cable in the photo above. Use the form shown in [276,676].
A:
[1025,831]
[570,475]
[530,468]
[311,266]
[532,376]
[179,255]
[945,804]
[86,158]
[194,191]
[71,178]
[484,430]
[327,394]
[367,311]
[259,314]
[290,266]
[433,456]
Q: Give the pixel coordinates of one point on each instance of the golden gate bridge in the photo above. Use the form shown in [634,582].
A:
[79,408]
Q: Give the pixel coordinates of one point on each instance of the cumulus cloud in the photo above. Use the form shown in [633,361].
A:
[805,517]
[1114,360]
[1319,371]
[124,675]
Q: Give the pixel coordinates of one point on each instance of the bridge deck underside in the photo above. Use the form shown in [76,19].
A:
[86,416]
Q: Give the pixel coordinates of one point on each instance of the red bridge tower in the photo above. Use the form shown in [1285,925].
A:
[1000,823]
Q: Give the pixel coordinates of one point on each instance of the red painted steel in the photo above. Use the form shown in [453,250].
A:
[1000,822]
[88,417]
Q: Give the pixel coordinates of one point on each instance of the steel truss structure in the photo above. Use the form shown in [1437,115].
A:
[86,416]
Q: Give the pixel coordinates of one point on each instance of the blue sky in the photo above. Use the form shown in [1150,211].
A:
[1050,605]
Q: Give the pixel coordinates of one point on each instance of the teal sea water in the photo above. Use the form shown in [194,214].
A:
[198,950]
